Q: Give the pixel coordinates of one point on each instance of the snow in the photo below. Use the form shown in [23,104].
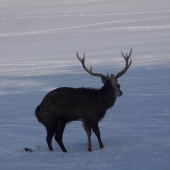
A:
[38,45]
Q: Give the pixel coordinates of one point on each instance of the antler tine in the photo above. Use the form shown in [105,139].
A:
[127,64]
[82,61]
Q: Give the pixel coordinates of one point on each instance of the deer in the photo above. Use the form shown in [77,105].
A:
[89,105]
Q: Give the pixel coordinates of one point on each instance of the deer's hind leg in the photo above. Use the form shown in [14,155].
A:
[50,134]
[59,135]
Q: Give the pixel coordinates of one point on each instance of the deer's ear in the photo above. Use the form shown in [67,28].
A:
[113,78]
[103,78]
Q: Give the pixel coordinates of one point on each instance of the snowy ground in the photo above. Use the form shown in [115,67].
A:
[38,44]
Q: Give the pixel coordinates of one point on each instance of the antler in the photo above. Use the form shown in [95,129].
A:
[82,61]
[127,64]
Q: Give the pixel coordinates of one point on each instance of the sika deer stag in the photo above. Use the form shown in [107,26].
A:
[66,104]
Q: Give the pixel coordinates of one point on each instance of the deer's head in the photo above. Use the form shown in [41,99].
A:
[112,78]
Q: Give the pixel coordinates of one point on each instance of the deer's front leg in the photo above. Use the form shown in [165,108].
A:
[88,131]
[96,130]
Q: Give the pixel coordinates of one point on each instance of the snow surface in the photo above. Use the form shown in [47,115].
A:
[38,44]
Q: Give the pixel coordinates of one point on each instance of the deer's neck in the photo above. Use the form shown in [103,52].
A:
[108,94]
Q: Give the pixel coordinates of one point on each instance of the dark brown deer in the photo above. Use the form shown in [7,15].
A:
[66,104]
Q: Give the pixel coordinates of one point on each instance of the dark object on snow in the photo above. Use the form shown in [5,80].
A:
[28,149]
[65,104]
